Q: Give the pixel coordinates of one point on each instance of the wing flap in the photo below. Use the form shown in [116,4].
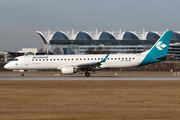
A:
[88,64]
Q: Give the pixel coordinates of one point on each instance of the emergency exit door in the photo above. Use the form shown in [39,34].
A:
[26,60]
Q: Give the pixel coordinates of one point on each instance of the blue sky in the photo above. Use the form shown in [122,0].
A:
[21,18]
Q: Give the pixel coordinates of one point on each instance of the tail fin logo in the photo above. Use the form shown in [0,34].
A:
[160,46]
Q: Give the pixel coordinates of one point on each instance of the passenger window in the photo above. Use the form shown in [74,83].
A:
[54,59]
[57,59]
[32,59]
[84,58]
[118,58]
[65,59]
[76,58]
[68,59]
[111,58]
[108,58]
[36,60]
[88,58]
[14,60]
[94,58]
[43,59]
[115,58]
[61,59]
[50,59]
[98,58]
[72,59]
[101,58]
[46,59]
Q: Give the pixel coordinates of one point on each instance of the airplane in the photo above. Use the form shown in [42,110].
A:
[70,64]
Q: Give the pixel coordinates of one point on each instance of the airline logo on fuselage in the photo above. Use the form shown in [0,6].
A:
[160,46]
[40,57]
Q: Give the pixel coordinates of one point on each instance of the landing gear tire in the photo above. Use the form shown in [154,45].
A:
[22,75]
[87,74]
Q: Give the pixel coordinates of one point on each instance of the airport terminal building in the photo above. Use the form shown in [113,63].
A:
[103,42]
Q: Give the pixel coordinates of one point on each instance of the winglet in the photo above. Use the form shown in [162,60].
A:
[104,60]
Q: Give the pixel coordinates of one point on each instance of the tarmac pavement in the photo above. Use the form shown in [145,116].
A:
[82,77]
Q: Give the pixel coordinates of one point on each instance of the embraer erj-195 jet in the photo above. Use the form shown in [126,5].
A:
[70,64]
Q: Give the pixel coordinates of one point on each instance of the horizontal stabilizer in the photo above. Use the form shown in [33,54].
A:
[166,56]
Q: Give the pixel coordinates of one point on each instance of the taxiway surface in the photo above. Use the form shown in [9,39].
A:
[82,77]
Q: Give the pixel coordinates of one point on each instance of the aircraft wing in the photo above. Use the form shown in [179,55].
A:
[86,66]
[91,66]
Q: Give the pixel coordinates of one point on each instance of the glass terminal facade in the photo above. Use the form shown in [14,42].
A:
[152,36]
[83,36]
[60,36]
[130,36]
[106,36]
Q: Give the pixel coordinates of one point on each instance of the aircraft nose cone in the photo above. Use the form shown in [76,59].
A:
[6,66]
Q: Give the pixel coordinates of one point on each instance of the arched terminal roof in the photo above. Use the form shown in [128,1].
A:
[152,36]
[60,36]
[130,36]
[106,36]
[43,37]
[175,36]
[83,36]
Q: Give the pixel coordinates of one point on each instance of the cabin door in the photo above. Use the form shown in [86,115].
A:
[138,58]
[26,60]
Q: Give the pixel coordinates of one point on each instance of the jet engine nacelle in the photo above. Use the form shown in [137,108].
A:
[68,70]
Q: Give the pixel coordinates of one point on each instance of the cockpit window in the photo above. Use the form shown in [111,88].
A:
[15,59]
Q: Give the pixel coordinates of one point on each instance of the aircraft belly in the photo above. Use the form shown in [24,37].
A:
[125,64]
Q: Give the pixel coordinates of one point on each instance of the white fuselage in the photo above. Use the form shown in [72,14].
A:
[37,62]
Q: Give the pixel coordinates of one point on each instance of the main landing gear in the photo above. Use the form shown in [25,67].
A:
[22,73]
[87,74]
